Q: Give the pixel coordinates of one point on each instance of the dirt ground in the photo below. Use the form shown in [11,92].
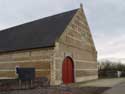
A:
[59,90]
[90,87]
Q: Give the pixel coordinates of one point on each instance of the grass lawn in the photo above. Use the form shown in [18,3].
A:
[100,83]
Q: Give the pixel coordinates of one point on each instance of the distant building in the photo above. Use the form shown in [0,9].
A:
[60,47]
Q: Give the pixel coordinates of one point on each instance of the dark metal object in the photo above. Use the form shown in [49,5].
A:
[26,73]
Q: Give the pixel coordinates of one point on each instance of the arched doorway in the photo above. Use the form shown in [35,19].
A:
[68,70]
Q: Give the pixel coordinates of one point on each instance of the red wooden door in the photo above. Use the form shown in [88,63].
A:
[68,71]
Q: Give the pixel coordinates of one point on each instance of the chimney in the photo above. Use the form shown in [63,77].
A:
[81,5]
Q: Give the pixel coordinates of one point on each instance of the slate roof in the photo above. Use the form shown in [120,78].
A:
[36,34]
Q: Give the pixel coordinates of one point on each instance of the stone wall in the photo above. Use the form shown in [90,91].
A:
[41,59]
[77,43]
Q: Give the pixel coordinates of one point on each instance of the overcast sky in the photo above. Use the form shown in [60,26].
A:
[105,17]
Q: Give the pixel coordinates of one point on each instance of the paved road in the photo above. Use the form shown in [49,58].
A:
[100,83]
[118,89]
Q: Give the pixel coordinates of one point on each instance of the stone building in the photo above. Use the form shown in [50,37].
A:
[59,47]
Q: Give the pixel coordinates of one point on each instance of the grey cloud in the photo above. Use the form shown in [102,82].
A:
[19,11]
[107,23]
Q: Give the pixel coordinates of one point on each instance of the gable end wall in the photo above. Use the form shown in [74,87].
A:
[83,52]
